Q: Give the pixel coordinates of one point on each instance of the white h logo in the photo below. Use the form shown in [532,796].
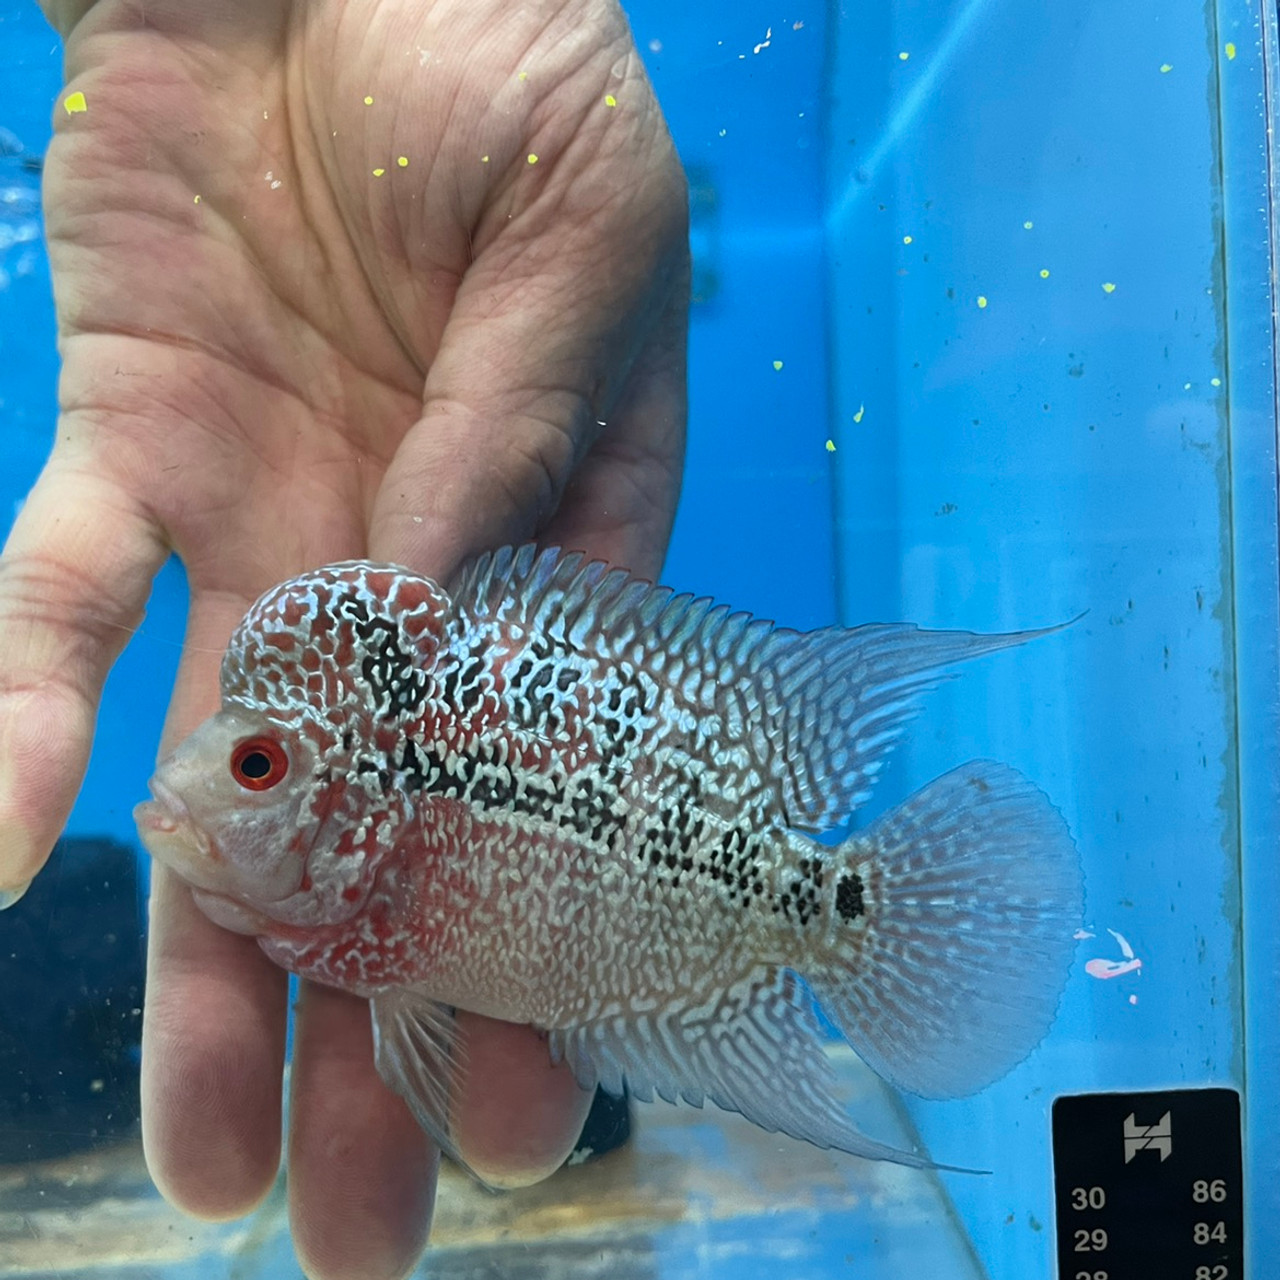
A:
[1157,1137]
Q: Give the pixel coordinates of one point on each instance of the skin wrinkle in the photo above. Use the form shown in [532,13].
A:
[55,601]
[588,142]
[550,472]
[326,359]
[51,688]
[646,504]
[615,439]
[232,24]
[242,358]
[46,595]
[319,209]
[503,328]
[323,147]
[513,493]
[527,258]
[272,276]
[520,169]
[115,156]
[406,300]
[548,456]
[109,422]
[267,477]
[82,469]
[41,608]
[331,417]
[551,201]
[192,346]
[419,182]
[523,236]
[74,227]
[406,379]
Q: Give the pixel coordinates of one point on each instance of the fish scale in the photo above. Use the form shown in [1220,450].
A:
[555,794]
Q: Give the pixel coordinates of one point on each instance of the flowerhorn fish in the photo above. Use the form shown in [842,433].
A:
[555,794]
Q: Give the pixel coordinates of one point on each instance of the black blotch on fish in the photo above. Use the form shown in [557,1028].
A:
[388,668]
[412,764]
[383,775]
[849,904]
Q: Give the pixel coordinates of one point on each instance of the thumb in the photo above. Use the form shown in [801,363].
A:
[74,579]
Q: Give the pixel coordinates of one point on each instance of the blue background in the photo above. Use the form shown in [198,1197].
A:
[1063,448]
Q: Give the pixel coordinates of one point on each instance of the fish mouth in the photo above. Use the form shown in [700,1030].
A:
[165,814]
[169,834]
[161,794]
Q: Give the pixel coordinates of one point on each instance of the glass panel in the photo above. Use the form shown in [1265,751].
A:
[1027,265]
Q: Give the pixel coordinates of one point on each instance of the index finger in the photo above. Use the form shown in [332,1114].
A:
[74,579]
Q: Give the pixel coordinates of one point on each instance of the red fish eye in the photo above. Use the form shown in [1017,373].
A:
[259,763]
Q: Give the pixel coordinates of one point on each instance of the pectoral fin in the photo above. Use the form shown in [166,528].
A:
[418,1053]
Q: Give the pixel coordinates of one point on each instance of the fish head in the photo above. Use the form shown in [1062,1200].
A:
[227,808]
[287,801]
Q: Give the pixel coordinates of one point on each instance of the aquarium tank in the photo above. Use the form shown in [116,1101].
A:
[983,336]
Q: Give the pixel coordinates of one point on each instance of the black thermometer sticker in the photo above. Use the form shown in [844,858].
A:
[1149,1186]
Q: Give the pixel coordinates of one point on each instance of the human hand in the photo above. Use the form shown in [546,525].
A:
[273,358]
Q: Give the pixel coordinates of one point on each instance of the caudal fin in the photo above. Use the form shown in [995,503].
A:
[958,910]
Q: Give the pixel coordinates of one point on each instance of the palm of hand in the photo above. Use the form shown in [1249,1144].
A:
[274,357]
[289,306]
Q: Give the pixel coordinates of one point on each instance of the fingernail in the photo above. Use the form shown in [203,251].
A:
[9,896]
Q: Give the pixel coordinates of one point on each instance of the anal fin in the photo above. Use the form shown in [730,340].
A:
[756,1049]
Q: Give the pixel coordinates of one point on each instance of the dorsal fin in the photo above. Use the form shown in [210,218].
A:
[818,711]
